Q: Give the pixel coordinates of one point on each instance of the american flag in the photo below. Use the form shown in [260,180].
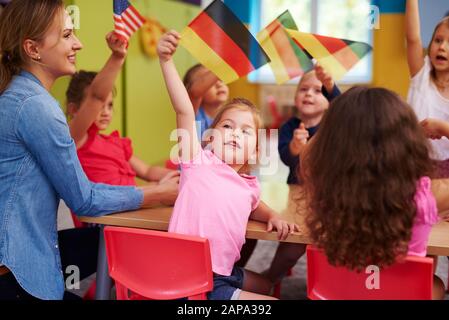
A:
[127,19]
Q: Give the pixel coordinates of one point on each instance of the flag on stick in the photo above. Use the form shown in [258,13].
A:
[222,43]
[288,60]
[127,19]
[337,56]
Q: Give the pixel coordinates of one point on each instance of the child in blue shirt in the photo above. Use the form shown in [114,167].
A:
[314,92]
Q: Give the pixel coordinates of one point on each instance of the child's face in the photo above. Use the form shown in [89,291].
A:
[234,139]
[217,95]
[439,49]
[104,118]
[309,99]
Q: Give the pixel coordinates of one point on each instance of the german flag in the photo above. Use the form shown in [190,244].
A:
[337,56]
[222,43]
[288,60]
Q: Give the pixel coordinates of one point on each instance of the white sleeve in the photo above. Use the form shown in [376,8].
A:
[419,86]
[422,78]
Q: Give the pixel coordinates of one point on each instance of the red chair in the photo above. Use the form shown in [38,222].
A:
[155,265]
[76,222]
[408,280]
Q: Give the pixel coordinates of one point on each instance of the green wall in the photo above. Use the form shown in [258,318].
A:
[149,116]
[142,108]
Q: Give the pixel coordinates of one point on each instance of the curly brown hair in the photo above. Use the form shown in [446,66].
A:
[360,173]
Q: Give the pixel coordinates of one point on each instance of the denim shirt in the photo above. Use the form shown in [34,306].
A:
[38,166]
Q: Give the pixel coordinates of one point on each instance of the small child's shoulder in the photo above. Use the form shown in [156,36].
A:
[293,122]
[252,181]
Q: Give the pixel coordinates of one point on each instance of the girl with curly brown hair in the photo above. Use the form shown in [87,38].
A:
[367,182]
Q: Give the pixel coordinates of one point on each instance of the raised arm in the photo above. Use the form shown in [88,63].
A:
[204,81]
[99,90]
[189,145]
[415,54]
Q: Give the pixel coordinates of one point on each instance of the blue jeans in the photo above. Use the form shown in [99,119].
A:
[225,286]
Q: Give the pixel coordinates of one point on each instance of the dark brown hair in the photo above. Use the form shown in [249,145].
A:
[21,20]
[360,173]
[76,91]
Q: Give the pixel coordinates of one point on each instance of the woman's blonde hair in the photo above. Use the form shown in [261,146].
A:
[21,20]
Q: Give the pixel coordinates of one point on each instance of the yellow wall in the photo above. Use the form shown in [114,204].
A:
[390,68]
[150,117]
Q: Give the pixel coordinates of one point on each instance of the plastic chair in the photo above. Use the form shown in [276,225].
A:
[156,265]
[76,222]
[408,280]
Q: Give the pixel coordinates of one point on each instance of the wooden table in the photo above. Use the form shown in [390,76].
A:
[158,219]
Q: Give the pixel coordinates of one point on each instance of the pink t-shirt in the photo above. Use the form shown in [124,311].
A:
[215,202]
[426,217]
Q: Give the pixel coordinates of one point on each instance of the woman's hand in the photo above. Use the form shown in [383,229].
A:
[168,176]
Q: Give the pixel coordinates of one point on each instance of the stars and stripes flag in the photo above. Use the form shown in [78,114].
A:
[127,19]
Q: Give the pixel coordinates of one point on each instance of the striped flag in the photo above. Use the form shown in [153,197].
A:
[337,56]
[222,43]
[288,60]
[127,19]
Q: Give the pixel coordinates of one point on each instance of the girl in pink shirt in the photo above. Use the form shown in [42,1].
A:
[216,198]
[366,178]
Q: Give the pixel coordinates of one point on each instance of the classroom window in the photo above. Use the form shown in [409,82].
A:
[347,19]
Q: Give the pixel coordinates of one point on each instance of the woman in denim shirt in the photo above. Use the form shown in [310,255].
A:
[38,160]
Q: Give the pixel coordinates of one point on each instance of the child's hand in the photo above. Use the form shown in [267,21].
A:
[166,47]
[284,228]
[117,45]
[433,128]
[325,78]
[169,175]
[446,218]
[300,137]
